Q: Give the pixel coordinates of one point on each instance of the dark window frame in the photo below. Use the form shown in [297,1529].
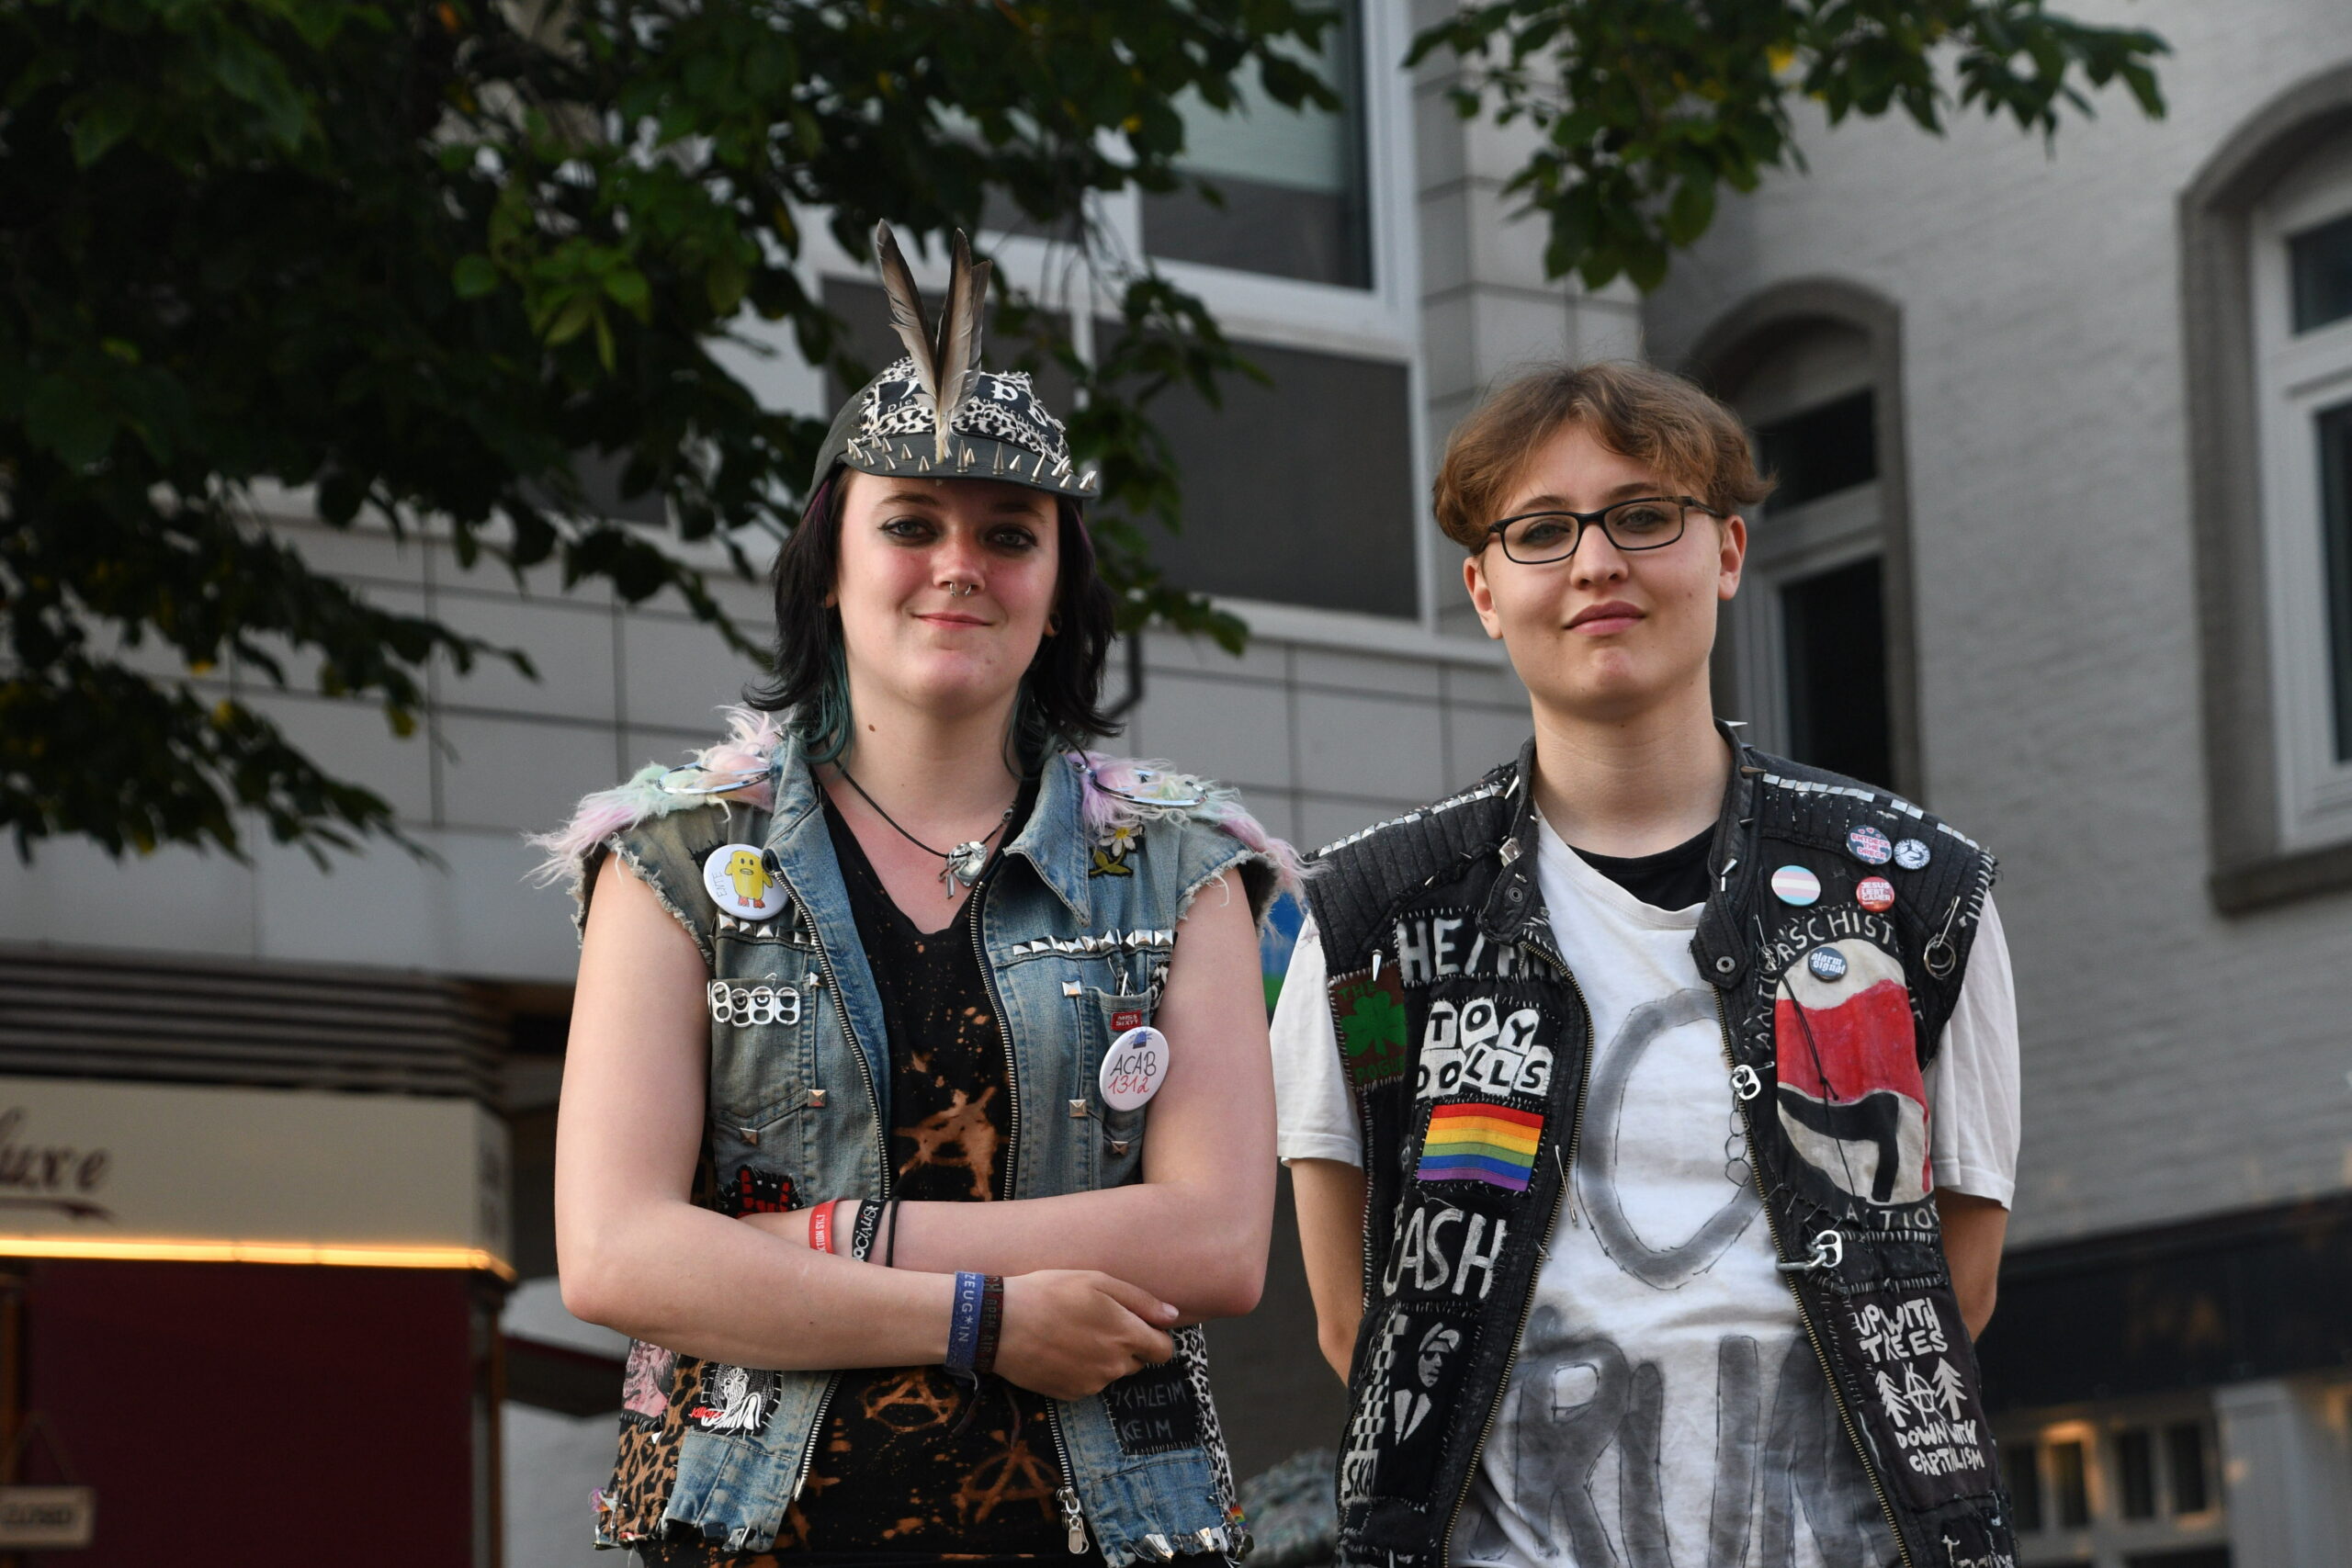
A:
[2251,866]
[1725,354]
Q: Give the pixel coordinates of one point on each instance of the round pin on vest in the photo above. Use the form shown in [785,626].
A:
[1827,964]
[1911,855]
[1874,893]
[1869,845]
[1135,1067]
[1795,885]
[736,880]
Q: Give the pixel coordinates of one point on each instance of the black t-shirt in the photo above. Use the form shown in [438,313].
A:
[911,1464]
[1670,879]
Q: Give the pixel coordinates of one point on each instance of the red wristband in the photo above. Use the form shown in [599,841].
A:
[820,1225]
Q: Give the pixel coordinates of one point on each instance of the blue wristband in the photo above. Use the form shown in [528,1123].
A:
[964,1329]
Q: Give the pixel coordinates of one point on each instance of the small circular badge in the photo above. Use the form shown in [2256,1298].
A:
[1875,892]
[1795,885]
[738,881]
[1135,1067]
[1827,964]
[1869,845]
[1911,855]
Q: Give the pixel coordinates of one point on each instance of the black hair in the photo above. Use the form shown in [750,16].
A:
[1060,702]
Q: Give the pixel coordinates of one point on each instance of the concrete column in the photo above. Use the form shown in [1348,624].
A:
[2286,1473]
[1486,307]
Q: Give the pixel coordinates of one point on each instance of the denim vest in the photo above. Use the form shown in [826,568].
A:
[1467,1046]
[1076,928]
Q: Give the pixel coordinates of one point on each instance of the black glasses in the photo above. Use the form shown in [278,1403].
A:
[1647,522]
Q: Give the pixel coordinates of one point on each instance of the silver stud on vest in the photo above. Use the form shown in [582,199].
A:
[817,1099]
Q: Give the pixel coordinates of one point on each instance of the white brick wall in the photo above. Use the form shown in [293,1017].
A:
[2175,1062]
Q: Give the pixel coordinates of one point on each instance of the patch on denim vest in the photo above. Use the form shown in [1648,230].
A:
[647,1383]
[735,1399]
[757,1191]
[1155,1410]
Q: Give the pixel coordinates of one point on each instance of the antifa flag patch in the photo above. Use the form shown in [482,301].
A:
[1851,1100]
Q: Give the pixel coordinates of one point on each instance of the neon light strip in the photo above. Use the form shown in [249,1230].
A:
[262,1252]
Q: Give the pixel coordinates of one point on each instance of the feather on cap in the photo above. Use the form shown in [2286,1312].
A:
[948,367]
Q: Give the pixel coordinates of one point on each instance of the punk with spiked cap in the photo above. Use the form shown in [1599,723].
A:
[933,412]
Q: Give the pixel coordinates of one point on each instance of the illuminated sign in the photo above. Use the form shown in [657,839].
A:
[98,1169]
[50,1517]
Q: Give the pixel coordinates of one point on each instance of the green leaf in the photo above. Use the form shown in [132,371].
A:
[102,123]
[474,277]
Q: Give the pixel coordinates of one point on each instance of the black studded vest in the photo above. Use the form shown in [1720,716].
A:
[1836,948]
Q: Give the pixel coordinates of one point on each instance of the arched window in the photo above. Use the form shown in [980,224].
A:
[2267,265]
[2300,263]
[1815,654]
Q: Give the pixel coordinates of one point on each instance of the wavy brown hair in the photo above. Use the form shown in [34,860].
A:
[1650,415]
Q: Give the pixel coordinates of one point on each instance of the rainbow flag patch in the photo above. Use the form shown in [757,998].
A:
[1471,1142]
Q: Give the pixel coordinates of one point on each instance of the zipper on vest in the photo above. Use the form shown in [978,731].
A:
[882,1146]
[1065,1495]
[1804,1316]
[1004,1037]
[1535,1275]
[849,1029]
[816,1430]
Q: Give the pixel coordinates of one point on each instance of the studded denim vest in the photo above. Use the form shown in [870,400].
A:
[1467,1046]
[1076,929]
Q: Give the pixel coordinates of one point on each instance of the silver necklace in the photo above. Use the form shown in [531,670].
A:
[965,862]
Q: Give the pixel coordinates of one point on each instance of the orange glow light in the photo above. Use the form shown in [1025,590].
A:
[262,1252]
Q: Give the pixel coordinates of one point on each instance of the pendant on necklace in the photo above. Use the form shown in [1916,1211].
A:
[965,862]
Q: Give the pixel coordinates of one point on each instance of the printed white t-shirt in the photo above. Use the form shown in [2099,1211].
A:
[1666,1410]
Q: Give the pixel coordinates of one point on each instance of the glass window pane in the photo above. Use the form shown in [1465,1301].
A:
[2070,1484]
[1834,642]
[1822,450]
[1294,182]
[2185,1459]
[1299,491]
[2336,532]
[2320,260]
[2135,1472]
[2021,1472]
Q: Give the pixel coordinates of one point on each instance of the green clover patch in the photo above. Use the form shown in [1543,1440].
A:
[1371,1015]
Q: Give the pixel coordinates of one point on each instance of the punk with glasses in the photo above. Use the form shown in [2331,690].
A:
[1651,1103]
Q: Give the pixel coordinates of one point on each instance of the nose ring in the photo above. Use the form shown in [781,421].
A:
[962,590]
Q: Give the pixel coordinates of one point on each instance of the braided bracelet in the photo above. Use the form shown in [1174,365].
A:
[963,1328]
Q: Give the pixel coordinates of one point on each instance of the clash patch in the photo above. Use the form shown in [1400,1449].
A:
[1482,1047]
[1922,1407]
[1442,1252]
[1155,1410]
[735,1399]
[756,1191]
[1851,1099]
[1471,1141]
[647,1379]
[1369,1010]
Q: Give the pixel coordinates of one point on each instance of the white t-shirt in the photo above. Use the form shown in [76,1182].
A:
[1666,1410]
